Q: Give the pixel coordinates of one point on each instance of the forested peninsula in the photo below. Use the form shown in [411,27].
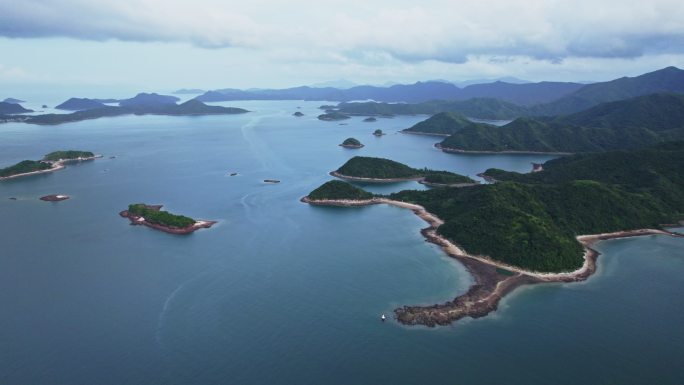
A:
[526,228]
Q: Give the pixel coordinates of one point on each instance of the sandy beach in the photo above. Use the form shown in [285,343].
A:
[493,279]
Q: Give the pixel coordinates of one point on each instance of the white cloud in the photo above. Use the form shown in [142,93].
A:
[443,30]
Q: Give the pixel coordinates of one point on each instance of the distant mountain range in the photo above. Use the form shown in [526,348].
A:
[189,108]
[521,94]
[670,79]
[14,101]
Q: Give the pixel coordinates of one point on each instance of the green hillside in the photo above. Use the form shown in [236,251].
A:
[626,124]
[443,123]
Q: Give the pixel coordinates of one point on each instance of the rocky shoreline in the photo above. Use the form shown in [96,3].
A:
[459,151]
[457,185]
[138,220]
[54,198]
[493,279]
[374,180]
[351,145]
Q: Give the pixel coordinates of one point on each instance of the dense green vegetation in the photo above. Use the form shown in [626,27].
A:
[444,177]
[69,154]
[24,167]
[531,220]
[626,124]
[160,217]
[657,170]
[353,142]
[332,116]
[378,132]
[380,168]
[336,189]
[483,108]
[670,79]
[444,123]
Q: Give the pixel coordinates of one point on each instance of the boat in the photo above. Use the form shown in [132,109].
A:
[383,318]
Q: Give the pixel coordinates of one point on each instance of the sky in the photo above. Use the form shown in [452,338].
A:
[163,45]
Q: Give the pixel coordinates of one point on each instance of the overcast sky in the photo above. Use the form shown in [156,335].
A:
[167,44]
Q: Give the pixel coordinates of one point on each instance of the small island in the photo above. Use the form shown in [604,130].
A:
[51,162]
[380,170]
[333,116]
[370,119]
[54,198]
[68,155]
[351,143]
[378,133]
[153,216]
[298,114]
[272,181]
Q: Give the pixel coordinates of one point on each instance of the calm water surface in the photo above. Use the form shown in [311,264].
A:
[280,292]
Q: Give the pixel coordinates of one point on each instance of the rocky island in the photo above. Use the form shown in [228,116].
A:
[351,143]
[54,198]
[370,119]
[298,114]
[523,230]
[378,132]
[153,216]
[333,116]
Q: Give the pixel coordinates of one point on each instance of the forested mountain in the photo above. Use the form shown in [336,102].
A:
[626,124]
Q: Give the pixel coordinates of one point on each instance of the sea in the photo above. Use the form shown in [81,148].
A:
[280,292]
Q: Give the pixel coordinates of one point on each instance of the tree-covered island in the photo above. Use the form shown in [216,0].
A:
[153,216]
[51,162]
[351,143]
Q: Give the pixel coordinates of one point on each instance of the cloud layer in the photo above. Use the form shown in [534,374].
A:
[444,31]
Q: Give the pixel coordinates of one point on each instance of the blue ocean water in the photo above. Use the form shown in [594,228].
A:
[280,292]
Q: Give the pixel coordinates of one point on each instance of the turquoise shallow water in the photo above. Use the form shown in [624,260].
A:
[280,292]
